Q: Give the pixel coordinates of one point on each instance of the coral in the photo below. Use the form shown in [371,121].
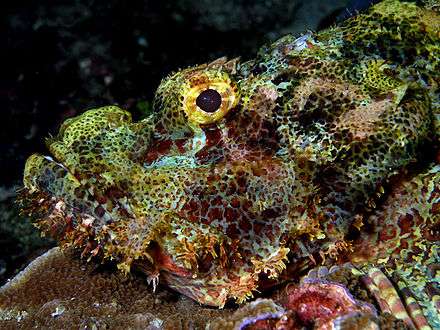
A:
[249,315]
[58,291]
[313,304]
[319,303]
[346,275]
[362,288]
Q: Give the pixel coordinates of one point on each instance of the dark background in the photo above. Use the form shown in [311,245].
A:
[59,58]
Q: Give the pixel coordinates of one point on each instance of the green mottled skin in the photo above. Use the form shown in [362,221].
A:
[306,160]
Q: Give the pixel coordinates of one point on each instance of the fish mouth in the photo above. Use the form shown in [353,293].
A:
[170,237]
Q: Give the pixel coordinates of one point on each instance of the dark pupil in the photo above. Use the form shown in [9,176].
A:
[209,100]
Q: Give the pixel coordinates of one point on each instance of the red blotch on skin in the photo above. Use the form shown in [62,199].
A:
[115,193]
[213,147]
[68,224]
[202,155]
[385,235]
[432,233]
[403,245]
[246,205]
[270,214]
[244,224]
[213,136]
[194,218]
[180,144]
[158,149]
[419,221]
[191,211]
[405,223]
[192,205]
[241,182]
[435,208]
[205,264]
[101,199]
[257,228]
[309,44]
[162,147]
[205,206]
[235,202]
[218,201]
[231,231]
[215,214]
[231,215]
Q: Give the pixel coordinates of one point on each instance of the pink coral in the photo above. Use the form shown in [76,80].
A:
[318,303]
[314,303]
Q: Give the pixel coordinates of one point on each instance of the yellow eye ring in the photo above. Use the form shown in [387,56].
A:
[221,85]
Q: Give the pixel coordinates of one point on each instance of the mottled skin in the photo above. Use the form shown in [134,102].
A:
[298,165]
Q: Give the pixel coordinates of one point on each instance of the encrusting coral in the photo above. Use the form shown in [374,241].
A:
[58,290]
[248,173]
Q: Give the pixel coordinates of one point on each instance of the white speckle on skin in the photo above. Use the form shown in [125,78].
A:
[301,42]
[59,310]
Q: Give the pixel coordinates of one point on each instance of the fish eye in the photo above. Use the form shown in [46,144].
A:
[207,96]
[196,96]
[209,100]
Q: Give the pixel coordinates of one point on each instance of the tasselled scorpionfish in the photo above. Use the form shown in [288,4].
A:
[323,149]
